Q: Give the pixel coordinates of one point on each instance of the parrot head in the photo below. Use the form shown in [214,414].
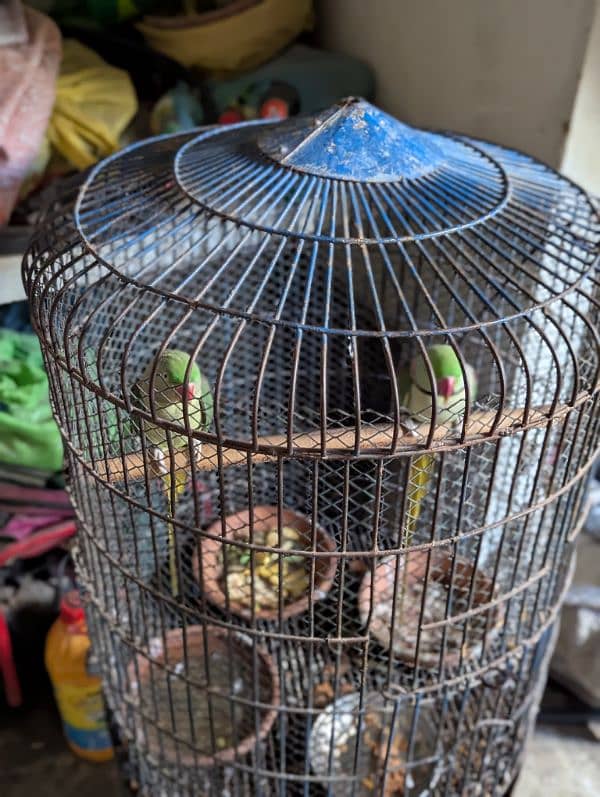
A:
[448,388]
[178,379]
[173,364]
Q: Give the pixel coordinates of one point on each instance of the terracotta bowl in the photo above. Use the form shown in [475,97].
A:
[375,607]
[237,528]
[147,674]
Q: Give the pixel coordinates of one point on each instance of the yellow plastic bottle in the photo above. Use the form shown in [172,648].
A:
[77,692]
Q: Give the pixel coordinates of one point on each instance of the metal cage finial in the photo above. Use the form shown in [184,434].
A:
[354,141]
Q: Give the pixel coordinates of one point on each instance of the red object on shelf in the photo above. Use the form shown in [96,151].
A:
[230,116]
[38,543]
[274,108]
[71,610]
[12,687]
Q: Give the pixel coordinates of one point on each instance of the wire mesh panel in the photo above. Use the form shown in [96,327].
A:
[328,390]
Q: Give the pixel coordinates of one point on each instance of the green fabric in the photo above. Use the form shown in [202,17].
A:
[28,434]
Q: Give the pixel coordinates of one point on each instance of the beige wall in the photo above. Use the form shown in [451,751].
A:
[581,160]
[506,70]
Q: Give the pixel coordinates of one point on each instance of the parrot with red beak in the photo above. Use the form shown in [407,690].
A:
[419,394]
[173,388]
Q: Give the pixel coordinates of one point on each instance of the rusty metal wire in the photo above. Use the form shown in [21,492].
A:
[301,295]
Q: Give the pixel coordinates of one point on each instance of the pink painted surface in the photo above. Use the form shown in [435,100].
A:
[21,526]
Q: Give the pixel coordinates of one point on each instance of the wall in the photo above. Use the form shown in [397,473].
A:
[581,160]
[506,70]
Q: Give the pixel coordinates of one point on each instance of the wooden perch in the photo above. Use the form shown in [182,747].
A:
[375,440]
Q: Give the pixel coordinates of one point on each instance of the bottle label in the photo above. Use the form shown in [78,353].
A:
[82,711]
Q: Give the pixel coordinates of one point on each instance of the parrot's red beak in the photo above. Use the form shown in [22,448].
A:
[190,391]
[445,386]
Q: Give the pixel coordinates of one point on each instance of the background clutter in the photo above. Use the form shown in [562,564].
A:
[125,71]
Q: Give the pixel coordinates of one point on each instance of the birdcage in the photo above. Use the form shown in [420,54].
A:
[337,569]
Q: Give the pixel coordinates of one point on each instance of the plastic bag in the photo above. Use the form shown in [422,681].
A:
[94,104]
[27,81]
[28,434]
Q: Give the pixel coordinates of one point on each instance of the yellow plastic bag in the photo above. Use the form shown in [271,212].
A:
[94,104]
[239,37]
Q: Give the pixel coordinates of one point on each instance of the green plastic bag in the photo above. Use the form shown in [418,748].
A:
[29,437]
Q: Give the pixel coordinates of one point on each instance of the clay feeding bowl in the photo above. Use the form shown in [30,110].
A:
[212,579]
[199,713]
[360,748]
[417,610]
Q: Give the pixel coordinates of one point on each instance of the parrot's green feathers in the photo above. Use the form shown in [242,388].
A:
[175,394]
[404,383]
[173,390]
[175,364]
[447,390]
[444,362]
[442,388]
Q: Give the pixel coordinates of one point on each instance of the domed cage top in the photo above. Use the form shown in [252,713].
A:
[327,558]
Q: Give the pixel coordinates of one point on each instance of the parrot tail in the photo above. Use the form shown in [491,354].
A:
[181,479]
[419,475]
[172,491]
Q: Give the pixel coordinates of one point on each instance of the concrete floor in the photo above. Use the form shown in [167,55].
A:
[558,764]
[34,762]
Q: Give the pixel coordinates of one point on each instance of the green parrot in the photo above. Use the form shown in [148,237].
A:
[417,394]
[172,393]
